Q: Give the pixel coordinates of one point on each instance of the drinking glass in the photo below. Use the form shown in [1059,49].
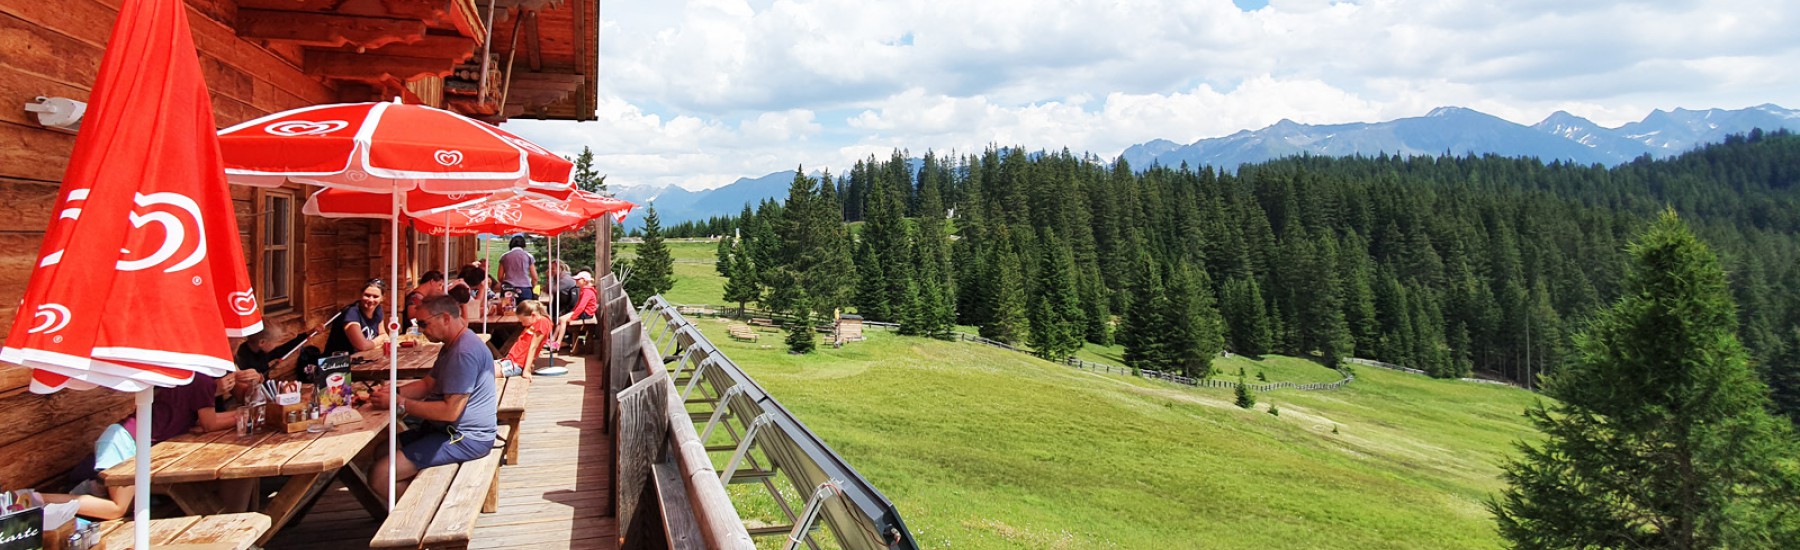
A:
[243,423]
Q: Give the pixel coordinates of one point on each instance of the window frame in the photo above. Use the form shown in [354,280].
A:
[265,213]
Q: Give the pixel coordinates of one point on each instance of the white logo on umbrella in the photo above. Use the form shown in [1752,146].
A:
[449,157]
[243,302]
[71,211]
[500,212]
[356,175]
[52,318]
[528,146]
[174,231]
[294,128]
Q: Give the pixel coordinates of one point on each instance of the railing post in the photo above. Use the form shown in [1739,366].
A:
[804,523]
[737,457]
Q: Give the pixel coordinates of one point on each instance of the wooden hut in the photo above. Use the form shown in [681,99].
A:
[260,57]
[849,328]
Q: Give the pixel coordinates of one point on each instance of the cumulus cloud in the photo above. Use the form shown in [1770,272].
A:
[701,92]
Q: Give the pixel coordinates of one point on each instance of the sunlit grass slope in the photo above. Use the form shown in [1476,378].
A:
[985,448]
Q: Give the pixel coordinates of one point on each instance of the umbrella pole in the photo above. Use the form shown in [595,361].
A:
[140,522]
[393,354]
[484,308]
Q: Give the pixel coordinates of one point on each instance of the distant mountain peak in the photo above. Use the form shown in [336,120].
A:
[1461,130]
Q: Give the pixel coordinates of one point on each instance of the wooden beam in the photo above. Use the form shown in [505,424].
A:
[328,30]
[373,68]
[534,50]
[455,49]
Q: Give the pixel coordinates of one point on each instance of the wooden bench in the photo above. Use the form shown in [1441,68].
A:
[513,394]
[582,334]
[742,332]
[441,504]
[234,531]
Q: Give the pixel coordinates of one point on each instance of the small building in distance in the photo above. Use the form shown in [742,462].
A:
[849,328]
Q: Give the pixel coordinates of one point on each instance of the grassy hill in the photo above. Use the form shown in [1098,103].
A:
[985,448]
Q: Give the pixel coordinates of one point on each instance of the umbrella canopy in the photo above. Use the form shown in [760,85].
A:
[498,213]
[387,147]
[140,277]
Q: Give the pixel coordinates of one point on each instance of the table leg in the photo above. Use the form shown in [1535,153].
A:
[196,499]
[297,491]
[358,483]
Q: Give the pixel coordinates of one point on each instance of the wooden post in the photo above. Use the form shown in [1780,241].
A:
[643,428]
[603,245]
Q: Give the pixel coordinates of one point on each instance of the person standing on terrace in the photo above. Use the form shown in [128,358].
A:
[518,270]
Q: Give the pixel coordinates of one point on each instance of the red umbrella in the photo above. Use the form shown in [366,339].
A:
[346,203]
[471,214]
[384,147]
[140,277]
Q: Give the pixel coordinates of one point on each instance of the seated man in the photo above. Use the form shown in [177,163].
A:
[457,400]
[174,411]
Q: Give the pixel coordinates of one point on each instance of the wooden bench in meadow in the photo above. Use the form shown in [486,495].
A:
[742,332]
[441,504]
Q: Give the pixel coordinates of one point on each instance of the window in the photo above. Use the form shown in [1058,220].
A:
[421,257]
[276,264]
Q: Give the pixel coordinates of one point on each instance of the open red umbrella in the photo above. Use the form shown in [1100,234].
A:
[140,277]
[384,147]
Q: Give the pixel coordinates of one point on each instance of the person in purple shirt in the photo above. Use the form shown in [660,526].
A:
[173,412]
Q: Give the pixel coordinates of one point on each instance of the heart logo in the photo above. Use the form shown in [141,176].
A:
[292,128]
[449,157]
[243,303]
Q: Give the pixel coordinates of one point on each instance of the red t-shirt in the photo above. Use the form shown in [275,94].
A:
[520,354]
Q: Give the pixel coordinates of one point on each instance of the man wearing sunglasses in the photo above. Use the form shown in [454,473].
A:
[457,400]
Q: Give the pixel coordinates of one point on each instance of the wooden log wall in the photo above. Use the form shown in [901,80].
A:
[53,48]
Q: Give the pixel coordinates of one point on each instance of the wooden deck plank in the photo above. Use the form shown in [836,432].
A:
[555,498]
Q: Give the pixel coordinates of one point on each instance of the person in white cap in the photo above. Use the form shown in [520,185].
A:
[585,307]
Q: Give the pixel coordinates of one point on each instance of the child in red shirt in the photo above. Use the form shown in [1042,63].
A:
[524,349]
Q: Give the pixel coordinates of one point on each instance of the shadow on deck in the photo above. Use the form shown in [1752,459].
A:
[556,497]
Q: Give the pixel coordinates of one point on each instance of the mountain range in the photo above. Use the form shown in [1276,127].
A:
[1461,131]
[1454,130]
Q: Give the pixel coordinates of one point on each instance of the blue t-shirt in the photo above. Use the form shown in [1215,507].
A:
[466,366]
[337,341]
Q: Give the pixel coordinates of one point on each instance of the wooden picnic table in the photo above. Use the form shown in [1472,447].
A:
[181,467]
[415,362]
[234,531]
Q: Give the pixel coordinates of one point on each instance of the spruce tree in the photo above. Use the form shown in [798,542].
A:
[740,282]
[800,338]
[1055,306]
[653,270]
[1011,320]
[1245,398]
[1195,333]
[1246,319]
[1660,435]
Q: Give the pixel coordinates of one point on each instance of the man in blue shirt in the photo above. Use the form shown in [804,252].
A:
[457,401]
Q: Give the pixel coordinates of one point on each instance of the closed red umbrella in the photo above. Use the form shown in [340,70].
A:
[140,277]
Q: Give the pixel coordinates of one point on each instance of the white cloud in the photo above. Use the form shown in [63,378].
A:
[702,92]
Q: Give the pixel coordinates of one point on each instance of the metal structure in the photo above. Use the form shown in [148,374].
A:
[768,444]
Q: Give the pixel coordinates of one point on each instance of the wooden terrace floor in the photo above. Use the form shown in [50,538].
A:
[555,498]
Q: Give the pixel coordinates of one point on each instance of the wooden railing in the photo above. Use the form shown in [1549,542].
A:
[667,493]
[768,446]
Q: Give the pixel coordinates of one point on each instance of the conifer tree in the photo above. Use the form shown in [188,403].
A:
[1055,306]
[1144,331]
[741,277]
[1010,321]
[1659,436]
[1245,398]
[1246,320]
[800,338]
[1195,331]
[653,270]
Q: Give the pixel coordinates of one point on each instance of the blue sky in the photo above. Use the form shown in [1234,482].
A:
[698,93]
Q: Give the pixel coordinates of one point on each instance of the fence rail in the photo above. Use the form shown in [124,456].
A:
[859,516]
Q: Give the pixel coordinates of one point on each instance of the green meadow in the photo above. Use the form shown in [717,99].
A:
[980,447]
